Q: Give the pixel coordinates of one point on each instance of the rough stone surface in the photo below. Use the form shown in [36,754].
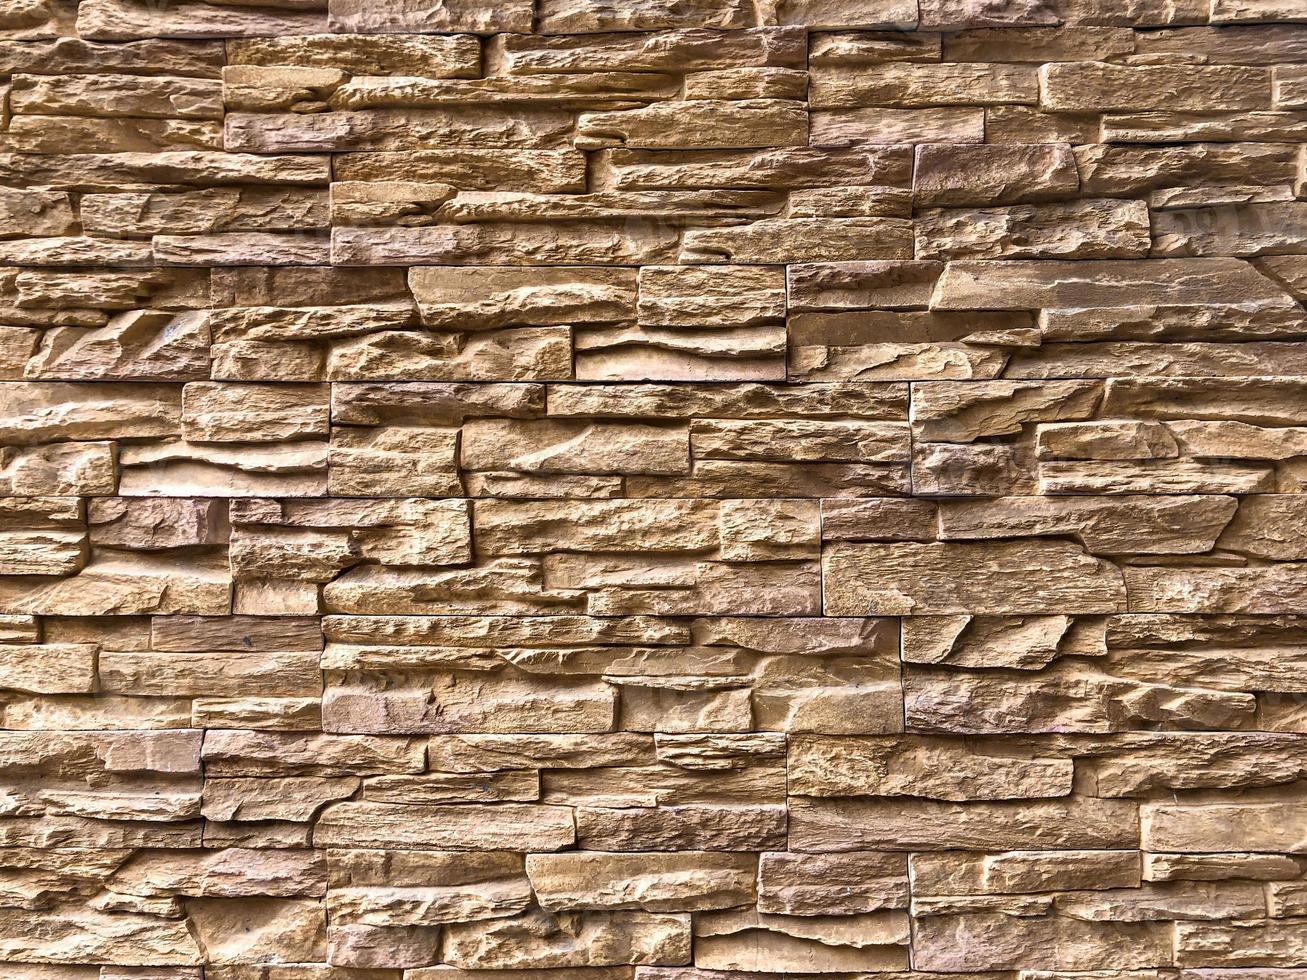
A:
[653,489]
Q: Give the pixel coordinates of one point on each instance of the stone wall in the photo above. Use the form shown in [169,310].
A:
[653,489]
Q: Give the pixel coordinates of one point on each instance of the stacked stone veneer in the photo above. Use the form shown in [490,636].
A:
[653,489]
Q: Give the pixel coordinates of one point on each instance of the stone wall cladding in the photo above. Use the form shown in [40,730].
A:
[649,490]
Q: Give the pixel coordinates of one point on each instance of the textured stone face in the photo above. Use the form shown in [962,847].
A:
[653,489]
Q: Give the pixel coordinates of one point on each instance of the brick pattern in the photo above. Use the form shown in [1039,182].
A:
[649,490]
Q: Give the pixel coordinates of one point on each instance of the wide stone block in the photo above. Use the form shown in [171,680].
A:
[1068,285]
[1024,577]
[993,941]
[930,825]
[826,766]
[1095,87]
[678,882]
[519,826]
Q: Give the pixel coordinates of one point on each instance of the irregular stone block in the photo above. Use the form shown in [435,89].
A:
[831,884]
[1035,285]
[558,446]
[928,825]
[830,766]
[249,753]
[857,127]
[772,169]
[693,49]
[411,17]
[116,95]
[74,936]
[773,241]
[1106,168]
[427,55]
[1092,86]
[485,298]
[1084,230]
[255,930]
[911,85]
[713,124]
[1239,229]
[453,827]
[38,214]
[538,939]
[676,296]
[451,703]
[540,171]
[593,16]
[832,14]
[267,798]
[985,175]
[1166,525]
[677,828]
[1273,827]
[679,882]
[1269,944]
[947,873]
[753,941]
[903,578]
[122,20]
[230,873]
[1044,943]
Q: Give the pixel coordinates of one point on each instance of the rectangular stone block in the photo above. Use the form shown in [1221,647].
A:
[910,578]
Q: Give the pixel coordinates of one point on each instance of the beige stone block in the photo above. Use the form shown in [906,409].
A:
[679,882]
[748,940]
[1132,169]
[116,95]
[589,16]
[257,754]
[213,412]
[399,460]
[737,84]
[255,930]
[491,297]
[743,401]
[1095,87]
[1273,827]
[452,827]
[909,85]
[427,55]
[895,126]
[76,936]
[541,171]
[710,124]
[682,827]
[831,884]
[1085,230]
[697,48]
[1044,943]
[903,578]
[409,17]
[1017,872]
[558,446]
[784,240]
[538,939]
[930,825]
[1023,285]
[920,766]
[452,703]
[678,296]
[986,175]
